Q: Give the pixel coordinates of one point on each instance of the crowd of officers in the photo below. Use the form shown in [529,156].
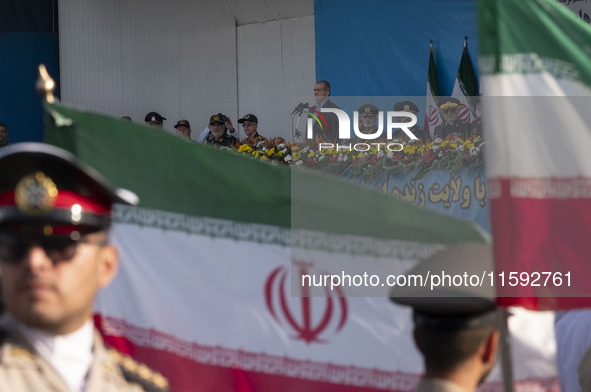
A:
[221,132]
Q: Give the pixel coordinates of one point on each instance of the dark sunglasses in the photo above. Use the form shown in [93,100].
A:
[448,111]
[14,248]
[246,125]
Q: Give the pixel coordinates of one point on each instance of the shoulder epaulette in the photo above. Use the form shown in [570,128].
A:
[138,373]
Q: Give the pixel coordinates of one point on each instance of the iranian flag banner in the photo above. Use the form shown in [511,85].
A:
[208,289]
[465,86]
[535,66]
[432,117]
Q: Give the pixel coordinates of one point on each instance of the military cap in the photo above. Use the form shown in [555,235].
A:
[449,103]
[368,110]
[249,117]
[154,117]
[47,190]
[126,118]
[217,118]
[406,106]
[182,123]
[451,305]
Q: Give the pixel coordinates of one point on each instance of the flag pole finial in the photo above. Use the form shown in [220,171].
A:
[465,41]
[45,84]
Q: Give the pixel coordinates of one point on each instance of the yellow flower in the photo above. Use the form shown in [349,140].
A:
[445,143]
[454,145]
[311,154]
[360,155]
[264,158]
[256,154]
[245,147]
[271,151]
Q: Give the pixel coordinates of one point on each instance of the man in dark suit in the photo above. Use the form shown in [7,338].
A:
[329,132]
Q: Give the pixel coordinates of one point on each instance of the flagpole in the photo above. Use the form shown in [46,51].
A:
[465,42]
[505,343]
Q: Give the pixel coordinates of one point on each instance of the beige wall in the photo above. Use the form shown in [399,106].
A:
[183,59]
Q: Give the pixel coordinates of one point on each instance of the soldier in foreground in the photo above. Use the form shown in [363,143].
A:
[55,255]
[456,328]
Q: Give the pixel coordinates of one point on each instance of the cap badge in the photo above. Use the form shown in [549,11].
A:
[247,117]
[35,194]
[367,110]
[153,118]
[216,117]
[406,107]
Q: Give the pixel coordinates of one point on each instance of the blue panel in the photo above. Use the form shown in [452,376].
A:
[20,104]
[381,47]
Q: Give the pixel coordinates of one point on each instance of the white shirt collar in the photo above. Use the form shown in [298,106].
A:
[70,355]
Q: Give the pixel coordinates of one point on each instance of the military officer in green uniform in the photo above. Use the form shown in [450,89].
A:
[451,127]
[55,255]
[456,327]
[420,133]
[368,124]
[219,136]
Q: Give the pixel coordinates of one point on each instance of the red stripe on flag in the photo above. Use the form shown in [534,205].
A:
[187,374]
[535,236]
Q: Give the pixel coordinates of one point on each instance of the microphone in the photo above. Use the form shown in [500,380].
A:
[300,108]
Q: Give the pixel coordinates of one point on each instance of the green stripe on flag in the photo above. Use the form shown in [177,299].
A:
[432,78]
[533,36]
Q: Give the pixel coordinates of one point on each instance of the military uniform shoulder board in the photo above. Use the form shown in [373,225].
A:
[139,373]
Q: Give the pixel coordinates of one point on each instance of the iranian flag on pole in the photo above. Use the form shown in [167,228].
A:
[466,86]
[536,66]
[208,289]
[432,117]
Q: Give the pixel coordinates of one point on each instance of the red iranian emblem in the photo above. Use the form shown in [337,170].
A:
[464,112]
[433,115]
[316,313]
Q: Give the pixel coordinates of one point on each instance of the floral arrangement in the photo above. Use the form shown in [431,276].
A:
[451,155]
[275,150]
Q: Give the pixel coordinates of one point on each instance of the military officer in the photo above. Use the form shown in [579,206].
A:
[55,255]
[476,125]
[250,123]
[456,327]
[219,134]
[154,120]
[368,124]
[452,126]
[420,133]
[183,129]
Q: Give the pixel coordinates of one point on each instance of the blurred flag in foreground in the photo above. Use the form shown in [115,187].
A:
[535,64]
[208,292]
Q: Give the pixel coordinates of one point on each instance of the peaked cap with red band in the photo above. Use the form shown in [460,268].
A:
[46,189]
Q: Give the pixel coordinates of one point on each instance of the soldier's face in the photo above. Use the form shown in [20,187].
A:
[450,115]
[53,294]
[217,129]
[250,128]
[404,119]
[3,133]
[367,122]
[183,131]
